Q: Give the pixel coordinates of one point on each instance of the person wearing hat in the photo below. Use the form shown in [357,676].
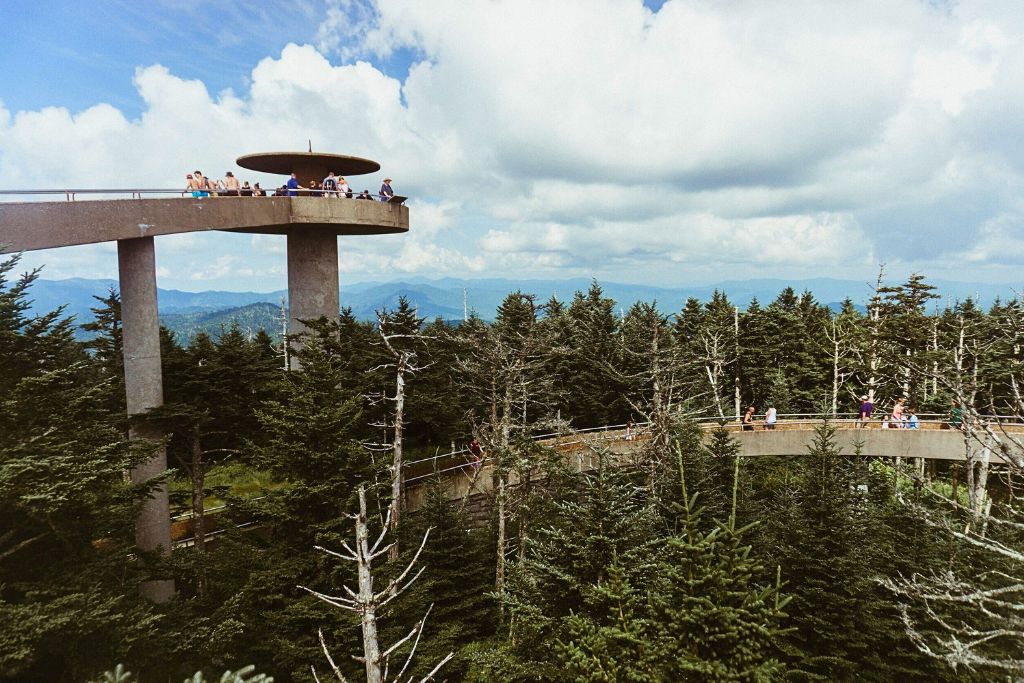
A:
[231,185]
[386,193]
[866,408]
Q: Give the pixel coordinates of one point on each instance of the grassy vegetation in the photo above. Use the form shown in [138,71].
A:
[232,478]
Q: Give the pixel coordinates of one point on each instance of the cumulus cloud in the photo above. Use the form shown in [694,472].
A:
[597,137]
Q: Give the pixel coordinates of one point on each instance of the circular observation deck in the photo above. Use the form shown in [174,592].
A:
[307,166]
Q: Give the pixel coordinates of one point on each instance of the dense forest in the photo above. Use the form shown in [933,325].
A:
[687,563]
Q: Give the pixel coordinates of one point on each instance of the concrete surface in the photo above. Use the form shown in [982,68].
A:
[307,165]
[312,277]
[27,226]
[144,390]
[932,442]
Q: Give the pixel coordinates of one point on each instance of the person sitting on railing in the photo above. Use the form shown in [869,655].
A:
[748,420]
[203,183]
[770,417]
[343,189]
[386,193]
[231,186]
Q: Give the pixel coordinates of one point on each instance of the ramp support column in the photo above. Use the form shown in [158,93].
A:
[143,382]
[312,278]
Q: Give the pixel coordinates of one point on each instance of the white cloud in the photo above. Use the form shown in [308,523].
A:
[1000,242]
[221,267]
[599,138]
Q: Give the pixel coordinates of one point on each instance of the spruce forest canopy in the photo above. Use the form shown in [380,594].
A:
[684,562]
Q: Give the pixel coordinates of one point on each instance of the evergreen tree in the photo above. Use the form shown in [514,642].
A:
[67,583]
[107,346]
[591,360]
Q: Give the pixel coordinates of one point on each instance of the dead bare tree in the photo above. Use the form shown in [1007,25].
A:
[715,363]
[663,381]
[505,368]
[368,603]
[839,333]
[401,346]
[973,619]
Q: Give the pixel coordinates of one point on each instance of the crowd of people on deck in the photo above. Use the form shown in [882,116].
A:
[200,186]
[901,417]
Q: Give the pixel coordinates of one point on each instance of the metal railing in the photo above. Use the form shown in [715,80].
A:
[808,421]
[138,193]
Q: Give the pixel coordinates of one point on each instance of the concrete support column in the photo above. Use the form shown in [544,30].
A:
[312,277]
[144,389]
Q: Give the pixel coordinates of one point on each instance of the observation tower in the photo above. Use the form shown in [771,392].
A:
[311,224]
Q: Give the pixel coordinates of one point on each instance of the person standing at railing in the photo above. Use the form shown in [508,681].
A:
[386,193]
[771,416]
[897,415]
[330,185]
[343,189]
[629,430]
[191,186]
[258,191]
[476,453]
[912,421]
[866,409]
[293,186]
[748,420]
[956,416]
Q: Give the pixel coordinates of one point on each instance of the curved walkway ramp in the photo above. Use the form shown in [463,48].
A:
[27,226]
[932,440]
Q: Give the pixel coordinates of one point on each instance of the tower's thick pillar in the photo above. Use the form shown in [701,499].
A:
[144,389]
[312,277]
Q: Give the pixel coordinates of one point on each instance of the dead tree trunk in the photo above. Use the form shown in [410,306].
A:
[736,370]
[199,509]
[368,613]
[397,480]
[368,604]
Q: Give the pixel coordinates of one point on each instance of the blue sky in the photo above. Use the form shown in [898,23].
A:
[661,142]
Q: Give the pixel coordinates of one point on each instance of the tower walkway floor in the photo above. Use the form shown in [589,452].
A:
[27,226]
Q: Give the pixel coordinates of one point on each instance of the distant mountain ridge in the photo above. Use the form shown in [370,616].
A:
[187,312]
